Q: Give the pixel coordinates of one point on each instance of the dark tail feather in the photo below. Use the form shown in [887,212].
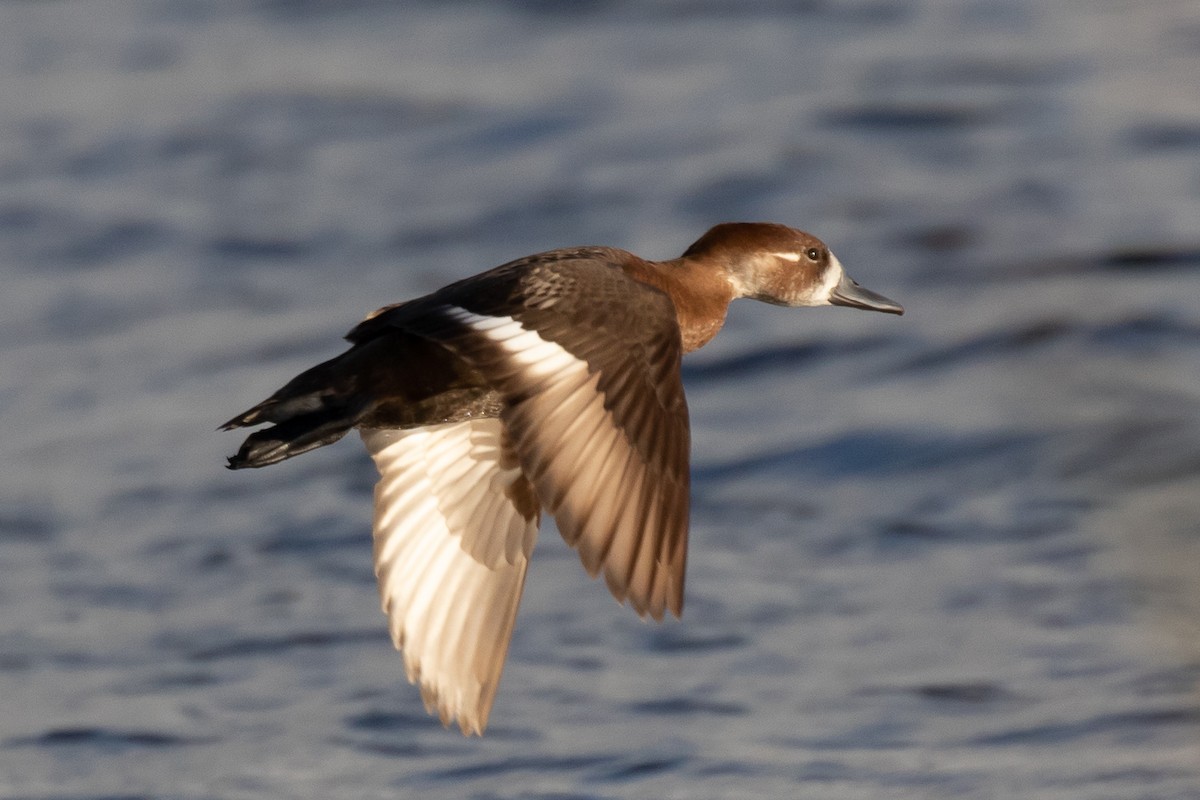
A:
[291,438]
[310,412]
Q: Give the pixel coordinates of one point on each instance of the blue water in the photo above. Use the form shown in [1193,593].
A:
[950,555]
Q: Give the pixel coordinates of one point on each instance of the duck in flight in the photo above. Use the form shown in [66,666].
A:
[552,384]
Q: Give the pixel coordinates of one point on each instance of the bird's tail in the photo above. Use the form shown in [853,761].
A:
[311,411]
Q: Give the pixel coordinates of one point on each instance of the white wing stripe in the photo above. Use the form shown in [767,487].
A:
[537,356]
[602,479]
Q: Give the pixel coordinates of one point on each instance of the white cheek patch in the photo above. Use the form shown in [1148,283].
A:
[818,294]
[833,276]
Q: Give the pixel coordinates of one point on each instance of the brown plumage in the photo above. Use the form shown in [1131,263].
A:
[549,383]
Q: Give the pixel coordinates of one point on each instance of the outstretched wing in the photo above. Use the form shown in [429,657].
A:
[455,523]
[588,368]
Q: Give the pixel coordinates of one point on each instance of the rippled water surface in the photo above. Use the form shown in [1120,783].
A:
[953,554]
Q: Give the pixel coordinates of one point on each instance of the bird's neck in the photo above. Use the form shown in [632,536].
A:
[701,294]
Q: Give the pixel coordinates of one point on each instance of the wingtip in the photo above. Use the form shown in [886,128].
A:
[675,596]
[470,729]
[659,613]
[469,724]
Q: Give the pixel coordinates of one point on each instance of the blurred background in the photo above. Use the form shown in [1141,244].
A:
[953,554]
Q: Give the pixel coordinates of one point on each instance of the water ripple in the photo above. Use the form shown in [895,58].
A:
[251,647]
[1135,724]
[104,738]
[782,357]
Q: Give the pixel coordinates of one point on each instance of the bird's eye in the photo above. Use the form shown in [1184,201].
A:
[813,253]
